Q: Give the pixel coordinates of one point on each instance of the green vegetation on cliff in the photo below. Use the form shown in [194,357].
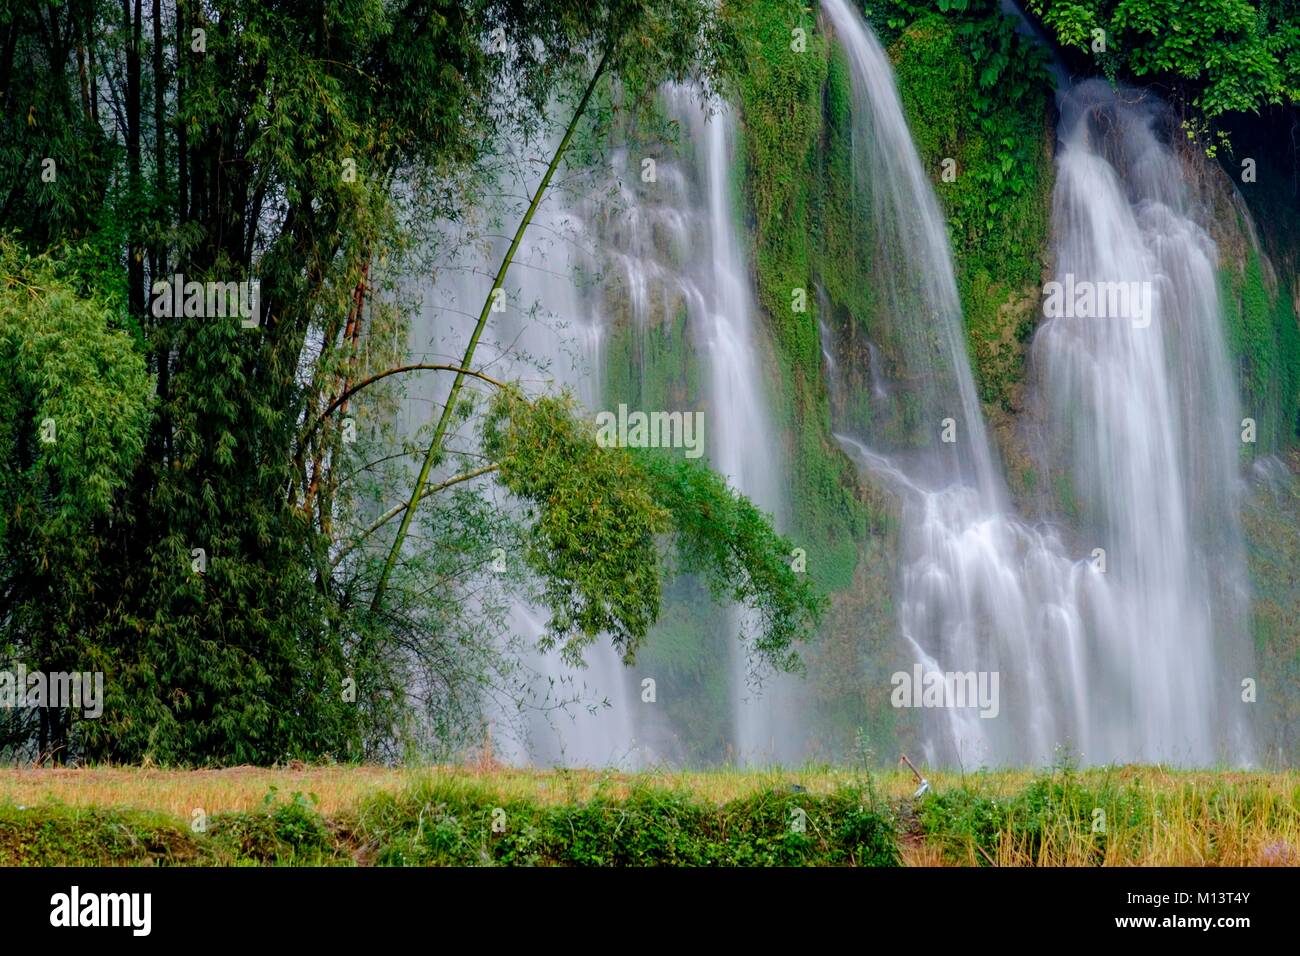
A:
[976,98]
[1271,522]
[975,93]
[780,86]
[810,258]
[1264,340]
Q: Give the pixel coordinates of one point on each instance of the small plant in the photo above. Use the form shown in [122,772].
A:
[863,748]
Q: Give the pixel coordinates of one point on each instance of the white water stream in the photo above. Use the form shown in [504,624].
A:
[1129,663]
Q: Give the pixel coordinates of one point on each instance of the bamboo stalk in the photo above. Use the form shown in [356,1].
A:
[435,447]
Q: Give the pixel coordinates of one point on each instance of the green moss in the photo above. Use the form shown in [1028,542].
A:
[781,98]
[651,367]
[1271,197]
[934,76]
[976,102]
[1264,339]
[1271,523]
[974,93]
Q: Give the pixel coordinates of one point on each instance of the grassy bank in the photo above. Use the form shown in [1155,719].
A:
[496,816]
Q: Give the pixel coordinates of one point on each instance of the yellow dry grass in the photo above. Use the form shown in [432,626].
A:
[338,788]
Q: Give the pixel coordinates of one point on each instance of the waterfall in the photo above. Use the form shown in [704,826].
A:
[914,269]
[743,444]
[1145,423]
[1109,652]
[549,337]
[976,585]
[664,244]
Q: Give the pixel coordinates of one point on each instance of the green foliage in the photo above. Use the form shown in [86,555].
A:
[593,522]
[230,163]
[964,817]
[175,434]
[781,101]
[451,825]
[1095,818]
[243,662]
[594,515]
[1227,55]
[1102,816]
[289,832]
[1264,337]
[1258,272]
[1055,808]
[726,540]
[51,834]
[1271,524]
[73,420]
[55,835]
[653,364]
[42,122]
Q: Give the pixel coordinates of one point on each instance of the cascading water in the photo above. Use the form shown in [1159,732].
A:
[976,585]
[1145,417]
[742,444]
[1083,652]
[548,338]
[913,266]
[647,270]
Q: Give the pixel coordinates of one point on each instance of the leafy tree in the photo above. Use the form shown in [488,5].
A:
[72,426]
[1226,55]
[614,504]
[228,571]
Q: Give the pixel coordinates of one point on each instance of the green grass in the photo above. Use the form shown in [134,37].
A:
[493,816]
[55,834]
[451,823]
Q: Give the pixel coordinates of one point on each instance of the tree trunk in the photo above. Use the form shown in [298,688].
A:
[135,260]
